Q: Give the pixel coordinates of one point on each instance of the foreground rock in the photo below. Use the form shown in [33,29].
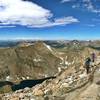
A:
[52,89]
[68,85]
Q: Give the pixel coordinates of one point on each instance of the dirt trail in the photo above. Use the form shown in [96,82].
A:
[92,92]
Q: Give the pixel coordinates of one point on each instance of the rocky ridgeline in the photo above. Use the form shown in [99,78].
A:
[67,85]
[51,89]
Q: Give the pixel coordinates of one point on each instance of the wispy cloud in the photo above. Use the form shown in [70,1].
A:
[5,26]
[96,19]
[90,25]
[59,21]
[90,6]
[19,12]
[84,4]
[63,1]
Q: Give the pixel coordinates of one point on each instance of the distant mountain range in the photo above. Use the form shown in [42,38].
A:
[53,43]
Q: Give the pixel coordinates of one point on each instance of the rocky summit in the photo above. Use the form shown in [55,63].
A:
[49,70]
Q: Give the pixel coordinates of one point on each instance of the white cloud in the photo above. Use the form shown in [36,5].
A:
[90,6]
[63,1]
[22,13]
[90,25]
[18,12]
[7,26]
[76,6]
[67,1]
[84,4]
[96,19]
[59,21]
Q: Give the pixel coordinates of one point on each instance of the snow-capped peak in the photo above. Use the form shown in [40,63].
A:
[48,47]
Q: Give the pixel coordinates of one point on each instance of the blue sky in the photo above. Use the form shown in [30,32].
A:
[50,19]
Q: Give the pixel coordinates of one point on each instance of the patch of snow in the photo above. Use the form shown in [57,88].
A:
[37,60]
[48,47]
[23,78]
[46,91]
[66,63]
[61,58]
[70,78]
[65,57]
[61,63]
[65,85]
[46,75]
[32,99]
[74,43]
[28,77]
[61,53]
[70,82]
[83,75]
[8,78]
[73,62]
[18,78]
[99,69]
[59,69]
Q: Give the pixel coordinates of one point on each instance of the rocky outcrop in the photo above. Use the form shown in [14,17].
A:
[67,86]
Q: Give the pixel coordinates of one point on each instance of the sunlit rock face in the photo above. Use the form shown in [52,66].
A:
[28,61]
